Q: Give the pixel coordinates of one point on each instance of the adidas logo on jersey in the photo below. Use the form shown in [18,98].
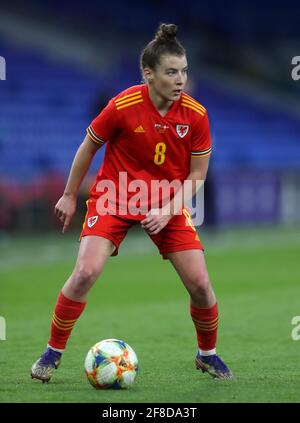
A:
[139,129]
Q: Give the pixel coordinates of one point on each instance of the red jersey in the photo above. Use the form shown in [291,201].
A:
[146,145]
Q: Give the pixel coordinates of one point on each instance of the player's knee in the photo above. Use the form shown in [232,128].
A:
[200,285]
[85,276]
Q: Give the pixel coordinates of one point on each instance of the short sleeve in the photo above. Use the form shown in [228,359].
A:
[201,139]
[103,128]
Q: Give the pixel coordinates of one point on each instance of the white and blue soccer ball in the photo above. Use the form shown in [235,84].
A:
[111,364]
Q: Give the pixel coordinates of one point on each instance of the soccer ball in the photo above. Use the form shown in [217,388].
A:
[111,364]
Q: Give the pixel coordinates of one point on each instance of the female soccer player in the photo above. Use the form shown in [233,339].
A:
[154,132]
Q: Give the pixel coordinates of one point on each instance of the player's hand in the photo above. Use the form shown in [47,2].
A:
[155,221]
[65,210]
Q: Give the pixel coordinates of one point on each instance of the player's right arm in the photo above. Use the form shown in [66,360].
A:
[101,130]
[66,205]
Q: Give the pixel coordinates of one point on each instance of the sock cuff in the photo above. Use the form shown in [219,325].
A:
[207,353]
[68,302]
[204,313]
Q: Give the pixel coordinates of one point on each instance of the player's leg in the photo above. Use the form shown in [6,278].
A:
[100,238]
[93,254]
[179,242]
[190,266]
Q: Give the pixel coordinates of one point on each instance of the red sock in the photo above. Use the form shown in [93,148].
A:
[206,324]
[65,315]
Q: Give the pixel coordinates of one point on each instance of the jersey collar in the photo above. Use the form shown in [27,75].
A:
[147,99]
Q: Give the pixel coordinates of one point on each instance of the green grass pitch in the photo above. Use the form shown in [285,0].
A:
[140,299]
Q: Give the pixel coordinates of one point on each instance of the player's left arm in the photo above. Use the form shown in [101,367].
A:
[199,167]
[154,223]
[192,184]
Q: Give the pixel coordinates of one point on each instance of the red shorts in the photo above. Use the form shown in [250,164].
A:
[178,235]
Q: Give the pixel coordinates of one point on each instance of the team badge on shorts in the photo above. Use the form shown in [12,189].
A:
[91,221]
[182,130]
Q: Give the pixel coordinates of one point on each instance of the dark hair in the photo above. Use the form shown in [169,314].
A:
[164,42]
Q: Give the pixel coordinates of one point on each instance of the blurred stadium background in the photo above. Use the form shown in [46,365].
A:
[64,60]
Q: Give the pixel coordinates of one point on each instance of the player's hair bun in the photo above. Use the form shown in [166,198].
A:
[166,32]
[164,43]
